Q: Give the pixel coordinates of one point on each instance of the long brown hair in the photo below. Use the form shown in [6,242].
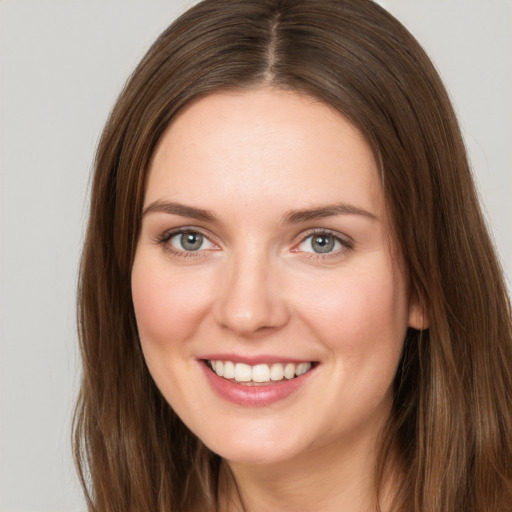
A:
[452,411]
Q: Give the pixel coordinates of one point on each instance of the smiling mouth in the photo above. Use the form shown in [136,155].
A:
[259,374]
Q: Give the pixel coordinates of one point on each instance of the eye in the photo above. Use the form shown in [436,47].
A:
[189,241]
[320,243]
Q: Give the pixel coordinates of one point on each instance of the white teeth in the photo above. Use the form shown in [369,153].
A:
[229,370]
[277,371]
[302,368]
[289,371]
[243,372]
[259,373]
[219,368]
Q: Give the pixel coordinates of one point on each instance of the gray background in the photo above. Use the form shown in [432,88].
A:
[62,64]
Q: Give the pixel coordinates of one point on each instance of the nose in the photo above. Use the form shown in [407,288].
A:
[250,299]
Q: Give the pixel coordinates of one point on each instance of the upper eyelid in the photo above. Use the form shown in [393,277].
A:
[169,233]
[164,240]
[324,231]
[347,244]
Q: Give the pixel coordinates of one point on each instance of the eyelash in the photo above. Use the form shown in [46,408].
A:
[346,243]
[166,238]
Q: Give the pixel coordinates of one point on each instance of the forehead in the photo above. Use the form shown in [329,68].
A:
[269,143]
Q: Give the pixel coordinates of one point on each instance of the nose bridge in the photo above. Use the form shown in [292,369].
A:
[249,298]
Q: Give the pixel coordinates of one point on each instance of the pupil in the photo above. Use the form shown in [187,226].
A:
[323,243]
[191,241]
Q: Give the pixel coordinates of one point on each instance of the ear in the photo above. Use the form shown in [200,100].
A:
[418,319]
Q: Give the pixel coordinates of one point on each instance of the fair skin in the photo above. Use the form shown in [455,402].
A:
[284,258]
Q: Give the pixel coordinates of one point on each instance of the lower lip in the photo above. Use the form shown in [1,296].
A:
[251,396]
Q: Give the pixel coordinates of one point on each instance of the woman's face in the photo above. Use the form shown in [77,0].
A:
[265,252]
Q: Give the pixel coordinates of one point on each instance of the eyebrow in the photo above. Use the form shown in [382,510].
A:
[291,217]
[182,210]
[307,214]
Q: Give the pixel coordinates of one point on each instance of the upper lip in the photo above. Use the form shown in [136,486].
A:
[253,359]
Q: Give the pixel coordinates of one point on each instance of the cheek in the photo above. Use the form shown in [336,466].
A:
[359,313]
[168,305]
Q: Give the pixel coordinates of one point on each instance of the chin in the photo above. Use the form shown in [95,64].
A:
[254,454]
[256,447]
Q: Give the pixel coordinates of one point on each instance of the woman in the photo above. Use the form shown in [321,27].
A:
[288,296]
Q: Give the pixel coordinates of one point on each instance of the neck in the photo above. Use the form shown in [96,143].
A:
[325,478]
